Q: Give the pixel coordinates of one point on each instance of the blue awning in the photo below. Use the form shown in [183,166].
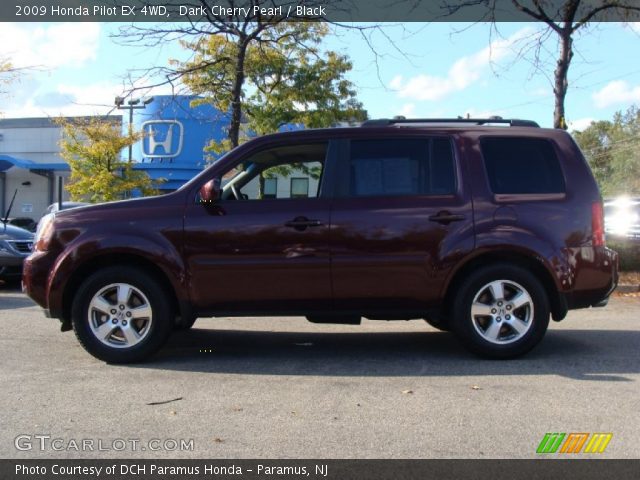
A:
[6,162]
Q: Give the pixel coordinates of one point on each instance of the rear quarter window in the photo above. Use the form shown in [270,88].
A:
[522,165]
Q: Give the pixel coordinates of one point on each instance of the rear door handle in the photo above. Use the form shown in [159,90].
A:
[302,223]
[445,217]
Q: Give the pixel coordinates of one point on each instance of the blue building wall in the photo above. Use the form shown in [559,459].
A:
[175,136]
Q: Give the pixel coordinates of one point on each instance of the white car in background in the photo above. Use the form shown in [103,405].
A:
[622,218]
[54,207]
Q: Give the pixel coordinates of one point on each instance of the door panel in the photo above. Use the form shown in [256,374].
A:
[264,247]
[388,254]
[242,256]
[394,251]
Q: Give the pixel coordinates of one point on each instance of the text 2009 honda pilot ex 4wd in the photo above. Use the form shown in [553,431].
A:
[481,229]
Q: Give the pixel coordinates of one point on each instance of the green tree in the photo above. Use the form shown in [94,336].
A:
[7,73]
[280,77]
[612,149]
[225,47]
[566,20]
[5,70]
[285,79]
[98,174]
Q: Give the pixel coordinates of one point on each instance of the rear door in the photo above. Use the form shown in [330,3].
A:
[401,218]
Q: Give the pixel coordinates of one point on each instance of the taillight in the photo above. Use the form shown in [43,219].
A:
[597,224]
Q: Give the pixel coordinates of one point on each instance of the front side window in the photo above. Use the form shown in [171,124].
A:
[278,173]
[522,165]
[389,167]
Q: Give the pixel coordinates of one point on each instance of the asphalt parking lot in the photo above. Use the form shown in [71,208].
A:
[285,388]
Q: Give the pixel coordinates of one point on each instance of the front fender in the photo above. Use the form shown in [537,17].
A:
[78,256]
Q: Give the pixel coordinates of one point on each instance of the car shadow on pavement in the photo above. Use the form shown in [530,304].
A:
[597,355]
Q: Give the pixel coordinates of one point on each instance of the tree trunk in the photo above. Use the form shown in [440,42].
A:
[261,186]
[561,77]
[236,95]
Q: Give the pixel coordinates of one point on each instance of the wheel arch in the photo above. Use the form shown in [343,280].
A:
[116,259]
[530,262]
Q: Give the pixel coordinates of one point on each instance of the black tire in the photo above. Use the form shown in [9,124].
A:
[182,325]
[154,328]
[438,324]
[526,325]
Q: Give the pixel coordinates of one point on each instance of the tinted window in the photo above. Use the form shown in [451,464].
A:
[401,167]
[522,165]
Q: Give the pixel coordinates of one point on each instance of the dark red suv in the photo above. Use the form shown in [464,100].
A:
[483,227]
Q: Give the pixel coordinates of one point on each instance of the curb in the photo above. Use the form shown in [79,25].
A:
[627,289]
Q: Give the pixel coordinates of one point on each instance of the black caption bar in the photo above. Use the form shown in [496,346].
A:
[315,10]
[318,469]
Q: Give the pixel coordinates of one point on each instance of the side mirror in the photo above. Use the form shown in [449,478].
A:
[210,191]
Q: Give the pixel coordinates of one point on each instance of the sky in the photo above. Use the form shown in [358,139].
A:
[416,70]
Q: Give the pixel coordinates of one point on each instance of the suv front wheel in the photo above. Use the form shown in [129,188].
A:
[501,311]
[121,315]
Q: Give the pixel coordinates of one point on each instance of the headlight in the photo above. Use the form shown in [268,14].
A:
[44,233]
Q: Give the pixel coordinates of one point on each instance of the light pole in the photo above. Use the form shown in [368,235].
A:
[132,104]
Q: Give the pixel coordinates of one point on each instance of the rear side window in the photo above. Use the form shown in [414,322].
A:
[522,165]
[401,167]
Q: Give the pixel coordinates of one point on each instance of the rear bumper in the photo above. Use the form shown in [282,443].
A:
[596,280]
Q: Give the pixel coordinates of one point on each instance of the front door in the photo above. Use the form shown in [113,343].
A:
[264,246]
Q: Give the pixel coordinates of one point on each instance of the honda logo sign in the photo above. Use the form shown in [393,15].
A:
[162,138]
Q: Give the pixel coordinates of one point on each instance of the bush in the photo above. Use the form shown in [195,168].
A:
[629,252]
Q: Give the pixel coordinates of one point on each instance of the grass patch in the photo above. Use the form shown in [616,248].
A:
[629,254]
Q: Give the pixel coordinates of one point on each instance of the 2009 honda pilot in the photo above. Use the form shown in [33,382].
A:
[483,227]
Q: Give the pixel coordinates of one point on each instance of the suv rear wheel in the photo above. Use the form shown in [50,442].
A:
[501,311]
[121,315]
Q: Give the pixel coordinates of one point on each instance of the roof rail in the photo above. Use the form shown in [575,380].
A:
[512,122]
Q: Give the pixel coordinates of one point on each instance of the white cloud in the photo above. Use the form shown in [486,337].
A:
[462,74]
[67,100]
[49,46]
[580,124]
[616,92]
[633,26]
[408,110]
[541,92]
[101,94]
[473,113]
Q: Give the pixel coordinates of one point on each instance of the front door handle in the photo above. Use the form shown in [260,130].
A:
[301,223]
[446,217]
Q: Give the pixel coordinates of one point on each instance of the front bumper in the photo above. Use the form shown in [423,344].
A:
[35,277]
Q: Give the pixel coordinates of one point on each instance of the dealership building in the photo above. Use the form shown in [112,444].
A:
[175,134]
